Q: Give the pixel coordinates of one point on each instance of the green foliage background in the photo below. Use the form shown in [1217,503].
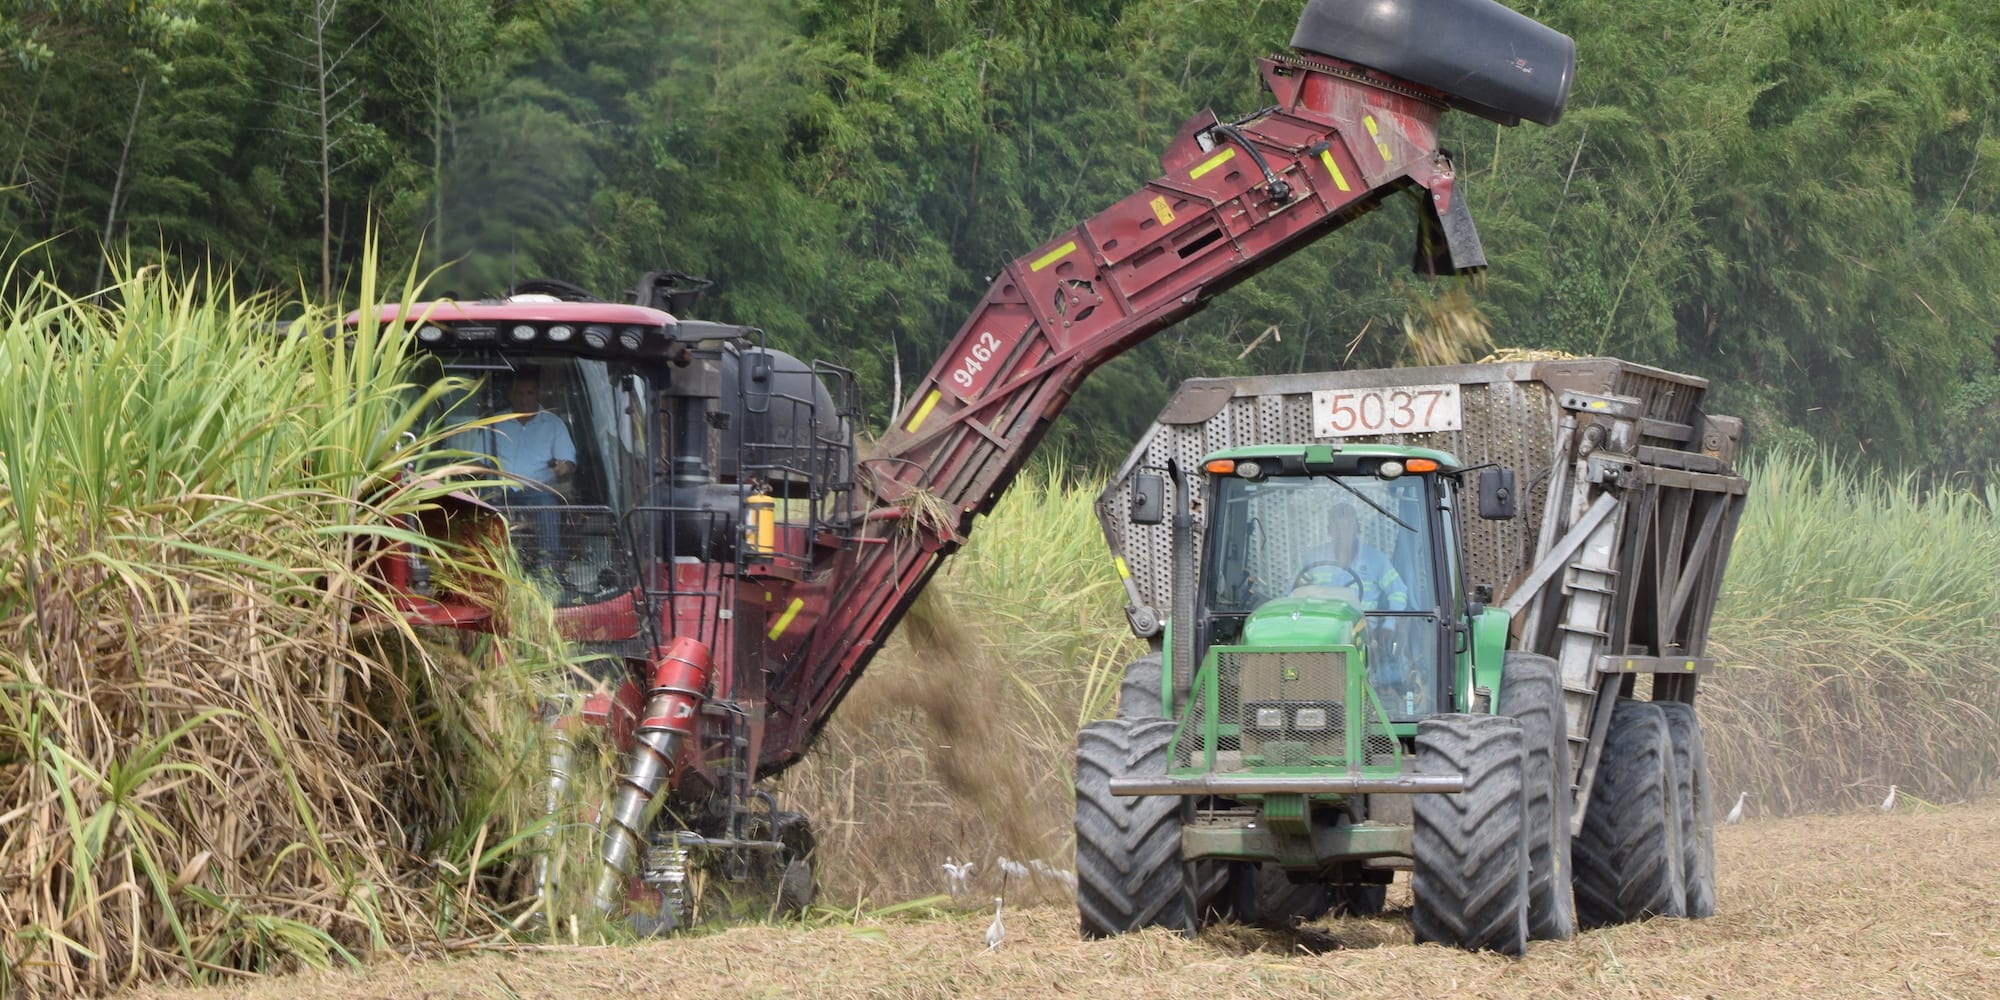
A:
[1793,197]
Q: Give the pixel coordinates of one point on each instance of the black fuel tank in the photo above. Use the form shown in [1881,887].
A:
[1495,63]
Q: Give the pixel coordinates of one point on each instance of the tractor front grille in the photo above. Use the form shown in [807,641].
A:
[1283,709]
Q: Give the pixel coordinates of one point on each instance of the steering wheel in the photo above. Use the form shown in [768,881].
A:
[1305,577]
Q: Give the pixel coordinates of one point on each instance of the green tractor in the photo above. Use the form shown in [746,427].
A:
[1345,700]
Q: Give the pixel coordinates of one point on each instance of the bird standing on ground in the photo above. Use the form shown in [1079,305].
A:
[1889,804]
[1736,811]
[996,930]
[958,877]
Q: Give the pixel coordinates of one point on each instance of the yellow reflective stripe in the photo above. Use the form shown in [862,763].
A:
[1339,179]
[785,619]
[1161,210]
[1124,571]
[923,410]
[1380,146]
[1053,256]
[1212,162]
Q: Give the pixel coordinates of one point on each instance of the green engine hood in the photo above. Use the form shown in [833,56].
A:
[1303,621]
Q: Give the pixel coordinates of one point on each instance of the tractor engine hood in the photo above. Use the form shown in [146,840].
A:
[1303,621]
[1488,60]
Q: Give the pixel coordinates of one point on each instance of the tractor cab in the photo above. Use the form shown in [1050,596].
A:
[1329,603]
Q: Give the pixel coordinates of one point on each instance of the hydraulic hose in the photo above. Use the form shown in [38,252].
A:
[1273,184]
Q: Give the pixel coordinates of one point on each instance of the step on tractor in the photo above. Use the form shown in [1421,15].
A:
[712,537]
[1338,691]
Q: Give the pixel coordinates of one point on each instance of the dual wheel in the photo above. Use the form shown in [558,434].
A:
[1492,864]
[1646,847]
[1647,844]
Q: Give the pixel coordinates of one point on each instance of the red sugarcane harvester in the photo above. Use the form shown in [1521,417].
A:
[732,562]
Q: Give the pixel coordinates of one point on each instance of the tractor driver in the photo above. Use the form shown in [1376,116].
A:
[1346,567]
[1345,562]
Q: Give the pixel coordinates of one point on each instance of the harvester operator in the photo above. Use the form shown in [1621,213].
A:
[533,449]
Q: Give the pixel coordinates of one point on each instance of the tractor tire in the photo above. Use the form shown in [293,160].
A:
[1360,899]
[1697,807]
[1470,876]
[1262,895]
[1628,853]
[1129,870]
[1531,691]
[1139,701]
[1139,693]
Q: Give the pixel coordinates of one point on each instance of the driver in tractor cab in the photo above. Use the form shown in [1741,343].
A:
[1346,568]
[1345,562]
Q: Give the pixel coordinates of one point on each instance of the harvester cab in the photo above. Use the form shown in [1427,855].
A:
[629,444]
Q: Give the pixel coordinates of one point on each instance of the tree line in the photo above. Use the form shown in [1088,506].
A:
[1794,198]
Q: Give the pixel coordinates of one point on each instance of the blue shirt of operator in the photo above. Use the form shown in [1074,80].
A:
[1381,586]
[526,450]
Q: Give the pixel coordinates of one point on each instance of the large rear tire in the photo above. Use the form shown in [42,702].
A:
[1697,807]
[1531,691]
[1129,870]
[1470,876]
[1628,853]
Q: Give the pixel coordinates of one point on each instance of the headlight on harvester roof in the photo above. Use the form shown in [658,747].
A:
[560,332]
[430,333]
[1309,718]
[1268,717]
[522,333]
[631,337]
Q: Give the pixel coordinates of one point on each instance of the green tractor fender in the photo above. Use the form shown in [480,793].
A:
[1480,665]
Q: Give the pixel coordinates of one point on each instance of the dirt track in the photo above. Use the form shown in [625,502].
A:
[1823,906]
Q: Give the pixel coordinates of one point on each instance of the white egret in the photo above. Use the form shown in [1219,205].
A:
[996,930]
[958,876]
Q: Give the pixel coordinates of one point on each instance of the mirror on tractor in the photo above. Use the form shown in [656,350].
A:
[1149,498]
[1496,494]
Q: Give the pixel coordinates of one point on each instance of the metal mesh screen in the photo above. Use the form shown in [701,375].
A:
[1289,709]
[577,554]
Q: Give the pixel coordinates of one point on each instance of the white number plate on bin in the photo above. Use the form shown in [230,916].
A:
[1403,409]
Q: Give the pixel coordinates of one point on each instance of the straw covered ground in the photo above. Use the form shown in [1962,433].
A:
[1811,906]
